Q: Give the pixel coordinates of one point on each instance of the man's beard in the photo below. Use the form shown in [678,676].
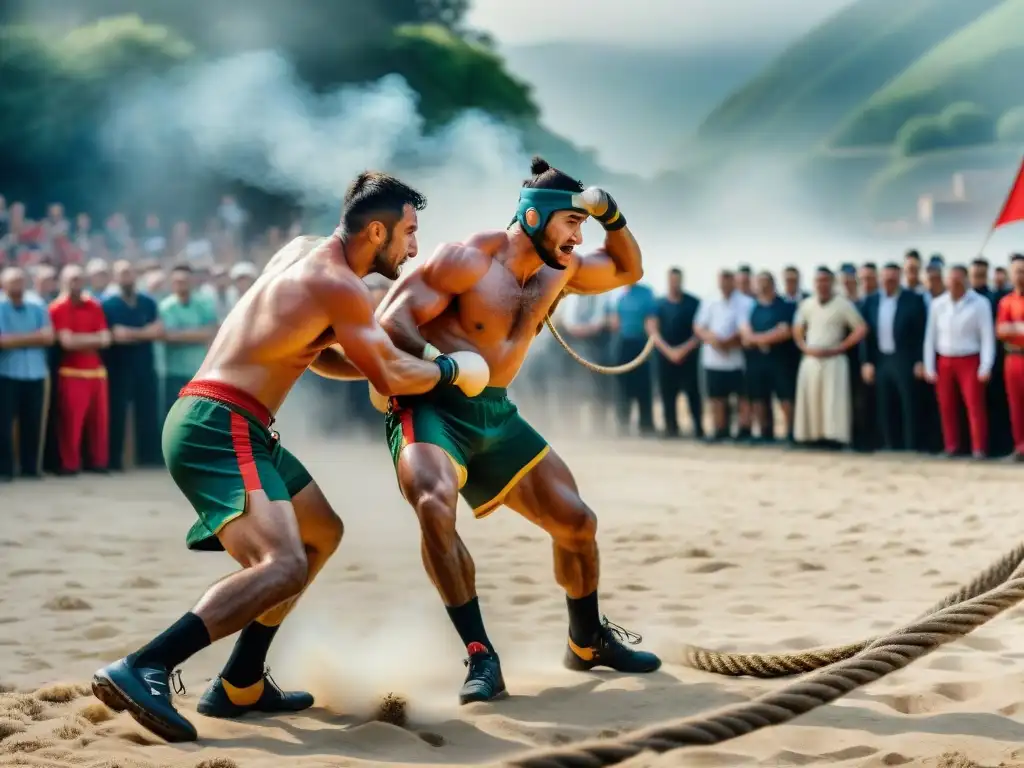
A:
[381,264]
[546,254]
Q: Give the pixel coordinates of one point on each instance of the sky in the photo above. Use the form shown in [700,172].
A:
[691,23]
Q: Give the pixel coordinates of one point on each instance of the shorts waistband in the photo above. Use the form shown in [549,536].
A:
[229,395]
[454,394]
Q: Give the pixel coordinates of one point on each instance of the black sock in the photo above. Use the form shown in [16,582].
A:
[248,659]
[185,638]
[584,619]
[469,623]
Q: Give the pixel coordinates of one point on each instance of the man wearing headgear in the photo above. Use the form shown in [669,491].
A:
[490,294]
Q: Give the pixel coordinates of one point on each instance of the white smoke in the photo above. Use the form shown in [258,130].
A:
[251,118]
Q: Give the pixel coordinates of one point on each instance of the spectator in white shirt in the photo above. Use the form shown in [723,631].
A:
[959,351]
[717,325]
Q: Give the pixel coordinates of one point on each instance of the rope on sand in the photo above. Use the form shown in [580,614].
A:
[878,659]
[606,369]
[769,665]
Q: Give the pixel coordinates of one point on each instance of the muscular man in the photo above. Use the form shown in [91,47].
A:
[252,497]
[490,294]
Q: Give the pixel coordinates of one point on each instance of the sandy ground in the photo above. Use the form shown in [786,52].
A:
[725,547]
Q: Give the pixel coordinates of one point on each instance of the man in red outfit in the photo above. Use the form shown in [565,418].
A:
[1010,331]
[81,331]
[959,352]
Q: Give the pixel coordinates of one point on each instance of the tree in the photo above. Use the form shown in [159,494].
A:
[925,133]
[966,124]
[1011,126]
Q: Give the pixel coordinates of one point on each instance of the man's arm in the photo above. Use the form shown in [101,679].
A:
[424,293]
[43,337]
[653,328]
[616,264]
[988,340]
[369,349]
[331,363]
[858,328]
[929,343]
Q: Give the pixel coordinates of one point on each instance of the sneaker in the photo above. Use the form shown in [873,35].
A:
[483,680]
[215,702]
[145,693]
[608,649]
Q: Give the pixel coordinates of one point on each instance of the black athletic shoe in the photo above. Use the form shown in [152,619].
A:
[483,680]
[608,649]
[145,693]
[215,702]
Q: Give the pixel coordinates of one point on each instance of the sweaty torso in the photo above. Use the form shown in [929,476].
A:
[276,329]
[498,317]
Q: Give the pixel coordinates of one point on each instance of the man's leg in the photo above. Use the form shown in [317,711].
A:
[31,423]
[690,383]
[430,484]
[97,424]
[243,685]
[668,387]
[73,403]
[974,395]
[548,497]
[266,541]
[644,393]
[8,388]
[946,394]
[884,399]
[120,397]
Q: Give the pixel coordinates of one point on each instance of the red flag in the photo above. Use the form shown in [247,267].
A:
[1013,208]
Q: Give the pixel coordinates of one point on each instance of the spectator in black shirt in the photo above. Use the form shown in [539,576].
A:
[766,335]
[1000,441]
[678,369]
[791,289]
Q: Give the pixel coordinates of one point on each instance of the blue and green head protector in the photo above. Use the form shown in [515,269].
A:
[545,202]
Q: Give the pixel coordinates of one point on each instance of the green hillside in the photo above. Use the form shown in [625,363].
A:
[981,64]
[827,74]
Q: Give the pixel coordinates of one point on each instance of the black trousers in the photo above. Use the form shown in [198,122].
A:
[895,390]
[25,403]
[674,380]
[1000,439]
[139,391]
[635,386]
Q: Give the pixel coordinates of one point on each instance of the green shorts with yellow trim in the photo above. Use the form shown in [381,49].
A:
[490,445]
[217,452]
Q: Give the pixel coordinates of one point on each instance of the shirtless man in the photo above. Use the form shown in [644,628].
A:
[252,497]
[490,295]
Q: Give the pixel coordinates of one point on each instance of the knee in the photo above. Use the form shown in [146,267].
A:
[287,572]
[435,507]
[577,523]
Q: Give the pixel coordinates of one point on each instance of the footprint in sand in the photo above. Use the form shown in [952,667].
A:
[695,553]
[66,603]
[712,567]
[636,588]
[523,579]
[140,582]
[524,598]
[101,632]
[804,566]
[675,607]
[33,572]
[745,610]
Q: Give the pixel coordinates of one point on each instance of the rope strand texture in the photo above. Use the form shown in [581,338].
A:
[771,665]
[610,370]
[882,657]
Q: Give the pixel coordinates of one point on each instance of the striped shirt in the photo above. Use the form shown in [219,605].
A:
[25,363]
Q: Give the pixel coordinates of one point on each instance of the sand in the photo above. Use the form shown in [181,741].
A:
[726,547]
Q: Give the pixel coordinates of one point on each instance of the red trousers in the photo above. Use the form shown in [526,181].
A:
[1013,375]
[82,409]
[958,379]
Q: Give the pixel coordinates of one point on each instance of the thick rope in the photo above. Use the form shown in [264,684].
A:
[769,665]
[882,657]
[606,369]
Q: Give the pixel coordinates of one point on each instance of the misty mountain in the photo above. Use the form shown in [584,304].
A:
[633,105]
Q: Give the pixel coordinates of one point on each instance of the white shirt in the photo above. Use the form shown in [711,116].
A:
[960,328]
[887,322]
[723,317]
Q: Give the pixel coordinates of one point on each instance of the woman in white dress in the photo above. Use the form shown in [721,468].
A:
[825,327]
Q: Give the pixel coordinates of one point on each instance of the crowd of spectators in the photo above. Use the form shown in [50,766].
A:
[909,357]
[99,330]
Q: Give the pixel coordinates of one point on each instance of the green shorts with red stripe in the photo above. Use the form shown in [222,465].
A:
[491,447]
[219,447]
